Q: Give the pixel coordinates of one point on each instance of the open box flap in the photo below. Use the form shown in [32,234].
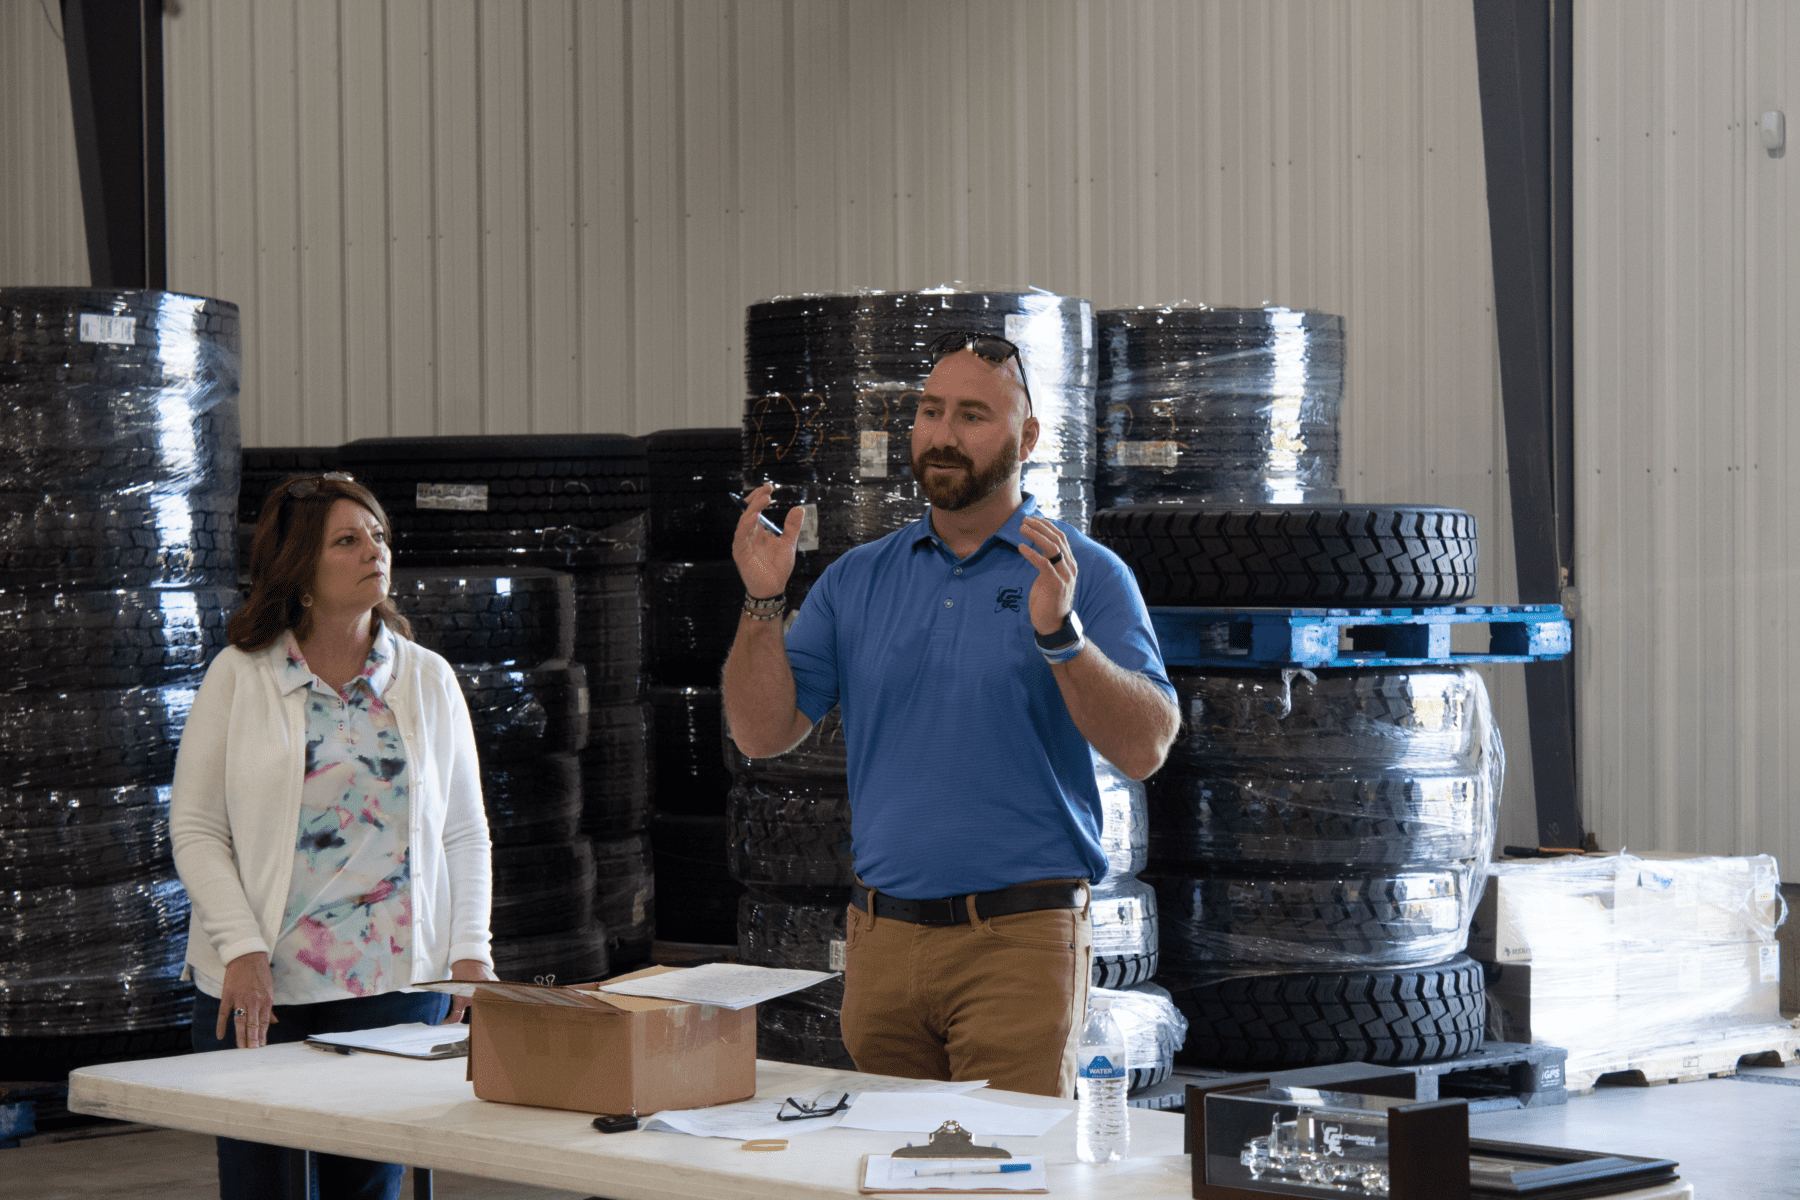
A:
[572,996]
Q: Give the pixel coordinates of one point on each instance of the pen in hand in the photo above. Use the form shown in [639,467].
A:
[767,524]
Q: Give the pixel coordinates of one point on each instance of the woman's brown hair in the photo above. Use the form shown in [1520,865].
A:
[284,558]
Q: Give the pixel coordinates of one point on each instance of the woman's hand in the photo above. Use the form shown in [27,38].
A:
[247,1000]
[464,968]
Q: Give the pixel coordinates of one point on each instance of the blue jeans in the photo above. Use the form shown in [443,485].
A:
[253,1171]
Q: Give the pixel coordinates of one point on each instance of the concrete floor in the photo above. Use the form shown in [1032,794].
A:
[1736,1138]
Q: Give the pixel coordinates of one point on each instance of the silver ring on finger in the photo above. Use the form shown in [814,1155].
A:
[237,1012]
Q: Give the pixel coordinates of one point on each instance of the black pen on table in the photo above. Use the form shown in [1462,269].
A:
[767,524]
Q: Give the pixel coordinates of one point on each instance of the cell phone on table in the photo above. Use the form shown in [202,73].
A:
[767,524]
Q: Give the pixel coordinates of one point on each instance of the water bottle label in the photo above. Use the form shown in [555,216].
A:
[1101,1067]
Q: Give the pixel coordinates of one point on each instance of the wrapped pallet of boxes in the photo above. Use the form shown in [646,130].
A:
[1634,962]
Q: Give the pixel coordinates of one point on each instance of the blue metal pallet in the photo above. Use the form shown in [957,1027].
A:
[1378,637]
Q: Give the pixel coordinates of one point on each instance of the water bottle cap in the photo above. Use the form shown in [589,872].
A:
[1100,1003]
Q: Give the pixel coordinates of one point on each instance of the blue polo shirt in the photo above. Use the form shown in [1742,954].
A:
[966,771]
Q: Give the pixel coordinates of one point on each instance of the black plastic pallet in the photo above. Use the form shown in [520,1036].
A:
[1498,1076]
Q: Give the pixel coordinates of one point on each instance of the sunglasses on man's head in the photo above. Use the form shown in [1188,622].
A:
[985,346]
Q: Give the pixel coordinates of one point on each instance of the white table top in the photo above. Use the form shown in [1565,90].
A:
[425,1114]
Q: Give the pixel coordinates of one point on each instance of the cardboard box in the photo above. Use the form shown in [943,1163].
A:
[1563,1006]
[590,1051]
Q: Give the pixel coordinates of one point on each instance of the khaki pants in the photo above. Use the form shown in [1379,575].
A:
[1001,999]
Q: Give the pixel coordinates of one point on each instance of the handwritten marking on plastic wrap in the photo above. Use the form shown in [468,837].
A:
[108,331]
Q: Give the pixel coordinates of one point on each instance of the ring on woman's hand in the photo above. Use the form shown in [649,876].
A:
[1056,558]
[237,1012]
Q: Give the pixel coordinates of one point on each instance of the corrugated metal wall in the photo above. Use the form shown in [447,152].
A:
[444,216]
[42,242]
[1688,501]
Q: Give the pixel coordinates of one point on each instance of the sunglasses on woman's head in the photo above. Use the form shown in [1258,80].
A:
[300,489]
[985,346]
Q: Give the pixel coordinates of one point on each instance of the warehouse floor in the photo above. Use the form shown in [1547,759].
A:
[1734,1137]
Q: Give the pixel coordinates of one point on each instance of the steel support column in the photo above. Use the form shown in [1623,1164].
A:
[114,52]
[1524,51]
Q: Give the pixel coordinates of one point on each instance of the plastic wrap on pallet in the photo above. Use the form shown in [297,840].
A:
[541,888]
[1218,405]
[1358,721]
[691,776]
[617,771]
[527,710]
[1124,819]
[104,737]
[1621,953]
[82,836]
[1122,912]
[1262,817]
[102,959]
[819,755]
[559,547]
[513,616]
[1240,924]
[625,897]
[833,381]
[693,619]
[790,832]
[795,927]
[139,637]
[803,1027]
[1154,1028]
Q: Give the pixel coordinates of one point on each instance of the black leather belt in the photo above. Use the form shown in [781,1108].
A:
[954,910]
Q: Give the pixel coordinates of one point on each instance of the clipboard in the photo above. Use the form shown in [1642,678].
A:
[873,1179]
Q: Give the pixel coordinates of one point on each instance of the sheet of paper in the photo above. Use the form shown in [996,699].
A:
[726,985]
[984,1119]
[901,1174]
[414,1040]
[756,1118]
[748,1119]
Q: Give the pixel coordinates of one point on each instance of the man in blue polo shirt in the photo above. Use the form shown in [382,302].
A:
[976,655]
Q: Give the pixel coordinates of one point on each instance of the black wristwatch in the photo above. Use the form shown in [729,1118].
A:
[1064,642]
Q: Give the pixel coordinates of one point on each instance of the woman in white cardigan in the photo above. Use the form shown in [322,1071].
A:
[326,814]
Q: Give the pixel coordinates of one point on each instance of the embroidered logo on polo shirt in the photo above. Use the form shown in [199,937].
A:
[1008,599]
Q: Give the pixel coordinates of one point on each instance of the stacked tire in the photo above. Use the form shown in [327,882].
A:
[576,504]
[118,500]
[1318,842]
[509,633]
[693,593]
[1211,405]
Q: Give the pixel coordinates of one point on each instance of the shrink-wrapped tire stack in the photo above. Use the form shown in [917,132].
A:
[1318,838]
[118,505]
[833,382]
[1318,843]
[693,593]
[577,504]
[509,633]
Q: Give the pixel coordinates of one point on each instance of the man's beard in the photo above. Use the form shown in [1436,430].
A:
[957,492]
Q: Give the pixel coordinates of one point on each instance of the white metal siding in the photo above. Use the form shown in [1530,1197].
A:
[42,241]
[451,216]
[1688,483]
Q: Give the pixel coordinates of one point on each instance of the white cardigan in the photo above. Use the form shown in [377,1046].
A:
[234,811]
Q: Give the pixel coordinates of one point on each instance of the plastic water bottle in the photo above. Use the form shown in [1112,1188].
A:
[1102,1131]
